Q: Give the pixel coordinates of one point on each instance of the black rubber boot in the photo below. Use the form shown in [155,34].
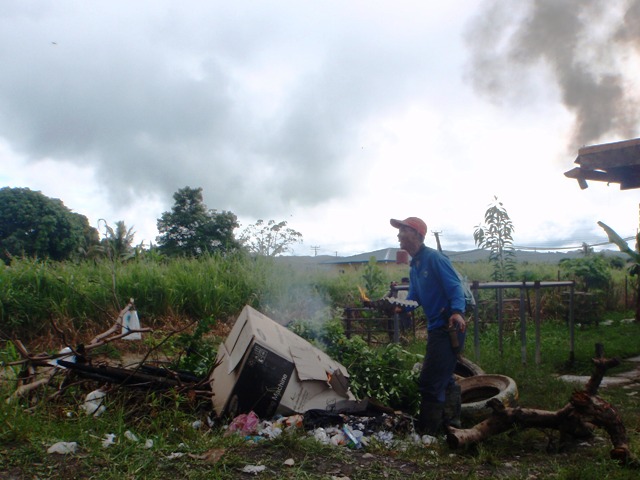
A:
[430,418]
[453,406]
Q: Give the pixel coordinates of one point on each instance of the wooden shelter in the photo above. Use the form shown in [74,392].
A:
[617,162]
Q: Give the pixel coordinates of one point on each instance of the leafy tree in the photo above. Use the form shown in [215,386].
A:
[270,239]
[592,272]
[592,275]
[191,229]
[586,249]
[118,242]
[496,235]
[34,225]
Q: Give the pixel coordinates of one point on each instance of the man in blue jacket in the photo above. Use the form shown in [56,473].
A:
[435,285]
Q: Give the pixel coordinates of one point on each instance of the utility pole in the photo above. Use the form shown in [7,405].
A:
[437,235]
[315,249]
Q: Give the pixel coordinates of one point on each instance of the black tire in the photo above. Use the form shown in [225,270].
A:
[479,389]
[466,368]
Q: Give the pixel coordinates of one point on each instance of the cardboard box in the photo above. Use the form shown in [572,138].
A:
[266,368]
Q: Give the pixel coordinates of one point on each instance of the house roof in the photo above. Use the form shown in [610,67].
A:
[617,162]
[386,255]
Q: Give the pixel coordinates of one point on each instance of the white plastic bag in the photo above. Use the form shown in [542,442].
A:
[130,322]
[93,403]
[63,448]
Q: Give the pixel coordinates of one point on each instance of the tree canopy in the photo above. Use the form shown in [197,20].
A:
[269,239]
[191,229]
[34,225]
[118,243]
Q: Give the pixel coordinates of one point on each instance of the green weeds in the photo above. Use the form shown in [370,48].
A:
[201,293]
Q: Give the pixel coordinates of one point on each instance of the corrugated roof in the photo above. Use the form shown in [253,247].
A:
[617,162]
[386,255]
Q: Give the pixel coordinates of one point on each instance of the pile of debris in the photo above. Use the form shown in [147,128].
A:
[367,422]
[265,371]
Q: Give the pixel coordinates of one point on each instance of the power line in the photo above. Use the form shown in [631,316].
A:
[571,248]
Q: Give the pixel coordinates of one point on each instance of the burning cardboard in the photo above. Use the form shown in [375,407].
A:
[266,368]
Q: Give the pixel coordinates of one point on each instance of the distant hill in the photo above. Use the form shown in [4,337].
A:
[522,256]
[525,256]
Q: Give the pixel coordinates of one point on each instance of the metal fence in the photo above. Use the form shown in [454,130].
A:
[537,286]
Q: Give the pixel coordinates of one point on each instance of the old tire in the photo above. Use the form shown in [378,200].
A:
[466,368]
[477,390]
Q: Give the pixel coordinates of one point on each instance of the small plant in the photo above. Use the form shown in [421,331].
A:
[383,373]
[197,353]
[373,279]
[496,235]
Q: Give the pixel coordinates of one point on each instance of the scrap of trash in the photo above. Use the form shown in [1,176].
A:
[352,431]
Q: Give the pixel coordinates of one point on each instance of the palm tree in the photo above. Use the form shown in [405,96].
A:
[118,243]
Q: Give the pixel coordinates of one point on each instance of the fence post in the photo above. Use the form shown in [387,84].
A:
[537,320]
[476,320]
[571,323]
[523,326]
[500,323]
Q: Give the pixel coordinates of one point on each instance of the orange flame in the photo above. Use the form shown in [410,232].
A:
[363,295]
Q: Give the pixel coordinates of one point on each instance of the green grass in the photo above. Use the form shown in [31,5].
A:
[28,428]
[213,289]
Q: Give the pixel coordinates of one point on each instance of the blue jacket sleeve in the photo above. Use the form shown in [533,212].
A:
[452,285]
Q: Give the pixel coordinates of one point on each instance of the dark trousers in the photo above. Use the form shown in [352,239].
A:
[439,365]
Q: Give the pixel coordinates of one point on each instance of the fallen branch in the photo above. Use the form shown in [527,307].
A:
[119,322]
[23,389]
[578,418]
[102,339]
[77,361]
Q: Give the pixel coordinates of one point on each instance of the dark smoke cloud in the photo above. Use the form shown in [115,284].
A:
[582,44]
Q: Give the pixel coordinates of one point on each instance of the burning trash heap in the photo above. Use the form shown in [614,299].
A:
[265,371]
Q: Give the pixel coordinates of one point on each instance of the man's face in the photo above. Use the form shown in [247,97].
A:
[409,239]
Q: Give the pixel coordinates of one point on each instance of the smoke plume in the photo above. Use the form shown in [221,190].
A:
[587,49]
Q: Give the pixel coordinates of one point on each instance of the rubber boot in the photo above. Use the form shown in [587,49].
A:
[430,418]
[453,406]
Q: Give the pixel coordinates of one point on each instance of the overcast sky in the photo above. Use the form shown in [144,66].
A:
[334,116]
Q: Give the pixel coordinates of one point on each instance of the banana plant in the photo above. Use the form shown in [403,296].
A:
[633,254]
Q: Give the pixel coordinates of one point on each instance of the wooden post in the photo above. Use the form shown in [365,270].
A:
[476,320]
[572,354]
[523,326]
[500,325]
[396,328]
[537,320]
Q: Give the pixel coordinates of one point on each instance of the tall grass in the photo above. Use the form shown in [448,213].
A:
[81,294]
[90,294]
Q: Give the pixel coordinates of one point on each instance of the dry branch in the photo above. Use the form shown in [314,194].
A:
[141,376]
[578,418]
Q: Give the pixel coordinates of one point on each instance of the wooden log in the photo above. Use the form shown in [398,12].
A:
[505,418]
[578,418]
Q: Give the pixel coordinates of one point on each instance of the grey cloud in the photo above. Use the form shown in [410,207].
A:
[153,98]
[583,53]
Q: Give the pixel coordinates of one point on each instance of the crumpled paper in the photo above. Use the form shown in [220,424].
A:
[244,424]
[63,448]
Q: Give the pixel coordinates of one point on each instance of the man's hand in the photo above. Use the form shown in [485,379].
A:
[459,321]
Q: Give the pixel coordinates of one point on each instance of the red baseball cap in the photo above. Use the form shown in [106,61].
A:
[412,222]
